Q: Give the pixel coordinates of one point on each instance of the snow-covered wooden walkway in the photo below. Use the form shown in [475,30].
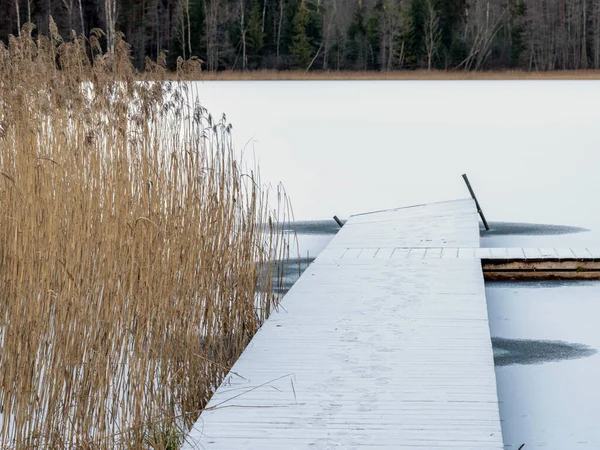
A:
[373,347]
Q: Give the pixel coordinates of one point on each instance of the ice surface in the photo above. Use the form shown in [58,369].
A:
[530,148]
[531,152]
[549,397]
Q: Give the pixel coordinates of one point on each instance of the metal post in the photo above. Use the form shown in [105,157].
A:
[339,222]
[485,224]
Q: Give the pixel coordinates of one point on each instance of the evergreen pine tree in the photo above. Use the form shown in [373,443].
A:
[301,47]
[255,37]
[357,47]
[451,15]
[415,34]
[517,28]
[373,38]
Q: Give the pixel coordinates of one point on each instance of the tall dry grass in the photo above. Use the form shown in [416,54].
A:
[400,75]
[136,254]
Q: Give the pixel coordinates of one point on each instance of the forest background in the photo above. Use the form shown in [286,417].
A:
[332,35]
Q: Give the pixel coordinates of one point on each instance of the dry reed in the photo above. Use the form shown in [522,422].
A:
[136,254]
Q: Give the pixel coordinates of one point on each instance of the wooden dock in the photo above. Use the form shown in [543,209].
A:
[382,343]
[540,263]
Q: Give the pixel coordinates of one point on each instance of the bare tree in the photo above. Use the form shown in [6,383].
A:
[432,32]
[264,13]
[184,28]
[211,7]
[189,27]
[595,21]
[110,16]
[484,21]
[18,18]
[338,16]
[68,5]
[279,27]
[558,35]
[391,29]
[187,10]
[584,19]
[181,35]
[243,31]
[328,27]
[81,18]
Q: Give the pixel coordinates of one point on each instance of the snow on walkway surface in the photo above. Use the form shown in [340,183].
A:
[375,346]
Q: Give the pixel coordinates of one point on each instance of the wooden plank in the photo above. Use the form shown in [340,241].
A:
[371,349]
[332,253]
[515,252]
[548,253]
[352,253]
[434,252]
[532,253]
[542,264]
[384,253]
[449,253]
[545,268]
[580,252]
[417,253]
[564,253]
[541,275]
[368,253]
[498,253]
[446,224]
[594,252]
[466,253]
[400,253]
[482,253]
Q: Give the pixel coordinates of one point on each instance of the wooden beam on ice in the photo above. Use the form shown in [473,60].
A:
[541,269]
[485,224]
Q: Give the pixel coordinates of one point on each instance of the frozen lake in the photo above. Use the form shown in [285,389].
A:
[548,390]
[531,151]
[530,148]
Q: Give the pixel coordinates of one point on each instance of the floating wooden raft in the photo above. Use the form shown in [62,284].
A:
[541,264]
[382,343]
[519,263]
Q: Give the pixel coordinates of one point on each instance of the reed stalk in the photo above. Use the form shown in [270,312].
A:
[138,256]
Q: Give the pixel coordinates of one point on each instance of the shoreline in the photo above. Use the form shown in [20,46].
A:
[398,75]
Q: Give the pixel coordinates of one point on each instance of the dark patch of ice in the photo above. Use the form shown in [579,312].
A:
[322,227]
[529,351]
[528,229]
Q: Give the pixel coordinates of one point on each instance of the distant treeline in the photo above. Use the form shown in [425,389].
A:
[334,34]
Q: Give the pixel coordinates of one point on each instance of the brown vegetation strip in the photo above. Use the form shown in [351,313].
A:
[283,75]
[136,255]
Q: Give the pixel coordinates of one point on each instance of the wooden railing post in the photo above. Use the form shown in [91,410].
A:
[485,224]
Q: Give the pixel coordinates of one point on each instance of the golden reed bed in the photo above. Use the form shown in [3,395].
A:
[137,255]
